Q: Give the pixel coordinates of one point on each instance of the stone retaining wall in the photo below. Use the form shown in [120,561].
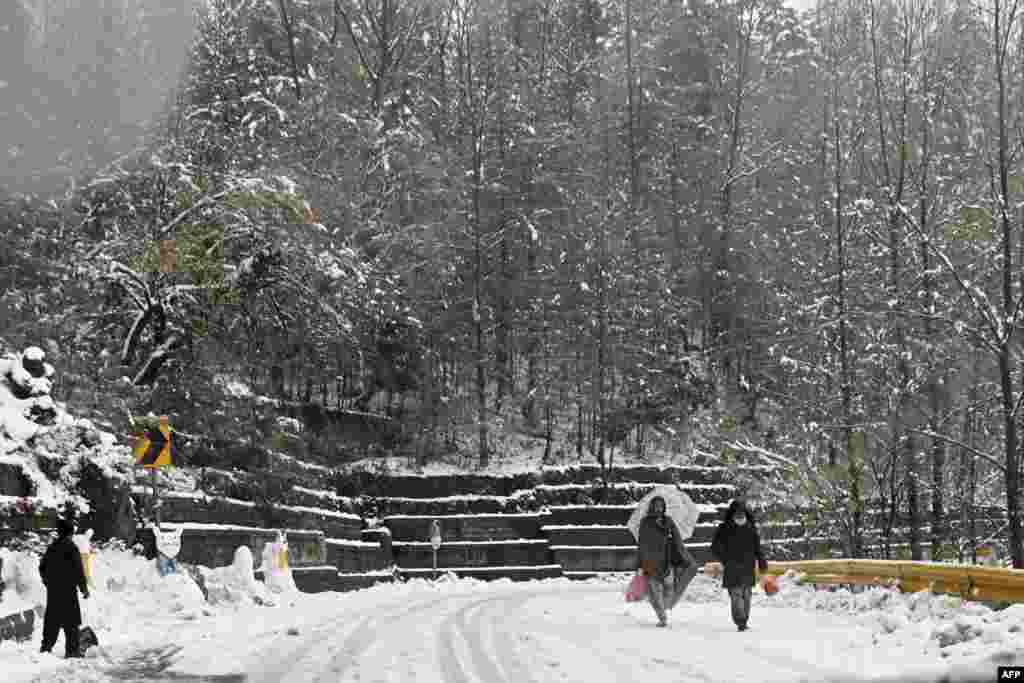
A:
[316,579]
[470,554]
[466,527]
[215,546]
[408,486]
[357,556]
[182,508]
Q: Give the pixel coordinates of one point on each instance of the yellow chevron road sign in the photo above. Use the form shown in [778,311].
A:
[154,450]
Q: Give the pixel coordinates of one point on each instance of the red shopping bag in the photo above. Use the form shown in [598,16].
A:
[637,588]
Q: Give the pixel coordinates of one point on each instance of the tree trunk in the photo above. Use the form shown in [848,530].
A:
[853,459]
[1006,361]
[290,35]
[478,314]
[893,184]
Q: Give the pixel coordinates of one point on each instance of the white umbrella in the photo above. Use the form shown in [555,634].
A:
[678,507]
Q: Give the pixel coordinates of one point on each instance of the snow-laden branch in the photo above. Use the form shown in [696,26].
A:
[960,444]
[156,358]
[132,284]
[978,297]
[763,452]
[204,202]
[132,338]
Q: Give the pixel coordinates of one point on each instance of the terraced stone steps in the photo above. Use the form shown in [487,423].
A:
[551,571]
[358,581]
[621,535]
[349,556]
[614,515]
[606,558]
[485,527]
[186,507]
[466,554]
[358,483]
[544,496]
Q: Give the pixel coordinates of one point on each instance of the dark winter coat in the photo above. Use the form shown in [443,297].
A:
[738,547]
[63,575]
[659,546]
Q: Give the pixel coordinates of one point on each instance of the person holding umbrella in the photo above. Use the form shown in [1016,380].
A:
[660,522]
[737,546]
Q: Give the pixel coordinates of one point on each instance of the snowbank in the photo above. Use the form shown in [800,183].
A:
[235,584]
[23,587]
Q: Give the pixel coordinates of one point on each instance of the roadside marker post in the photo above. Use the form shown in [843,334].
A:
[435,541]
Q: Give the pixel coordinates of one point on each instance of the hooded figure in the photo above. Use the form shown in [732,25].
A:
[660,553]
[63,575]
[738,547]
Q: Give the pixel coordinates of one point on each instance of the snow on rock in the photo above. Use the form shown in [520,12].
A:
[289,425]
[233,387]
[39,434]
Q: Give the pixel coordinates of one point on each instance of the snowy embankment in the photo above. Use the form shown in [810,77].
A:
[457,631]
[131,605]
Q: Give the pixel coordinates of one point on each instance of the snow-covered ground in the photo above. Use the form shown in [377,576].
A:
[462,631]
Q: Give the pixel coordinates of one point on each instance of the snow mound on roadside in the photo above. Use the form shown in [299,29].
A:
[128,587]
[236,584]
[23,587]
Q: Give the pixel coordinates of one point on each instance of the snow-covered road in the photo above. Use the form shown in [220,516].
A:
[472,632]
[559,634]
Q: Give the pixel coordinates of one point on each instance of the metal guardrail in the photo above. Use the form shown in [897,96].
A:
[971,582]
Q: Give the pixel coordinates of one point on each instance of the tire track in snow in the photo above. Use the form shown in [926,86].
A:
[368,633]
[359,626]
[504,635]
[501,660]
[468,626]
[286,661]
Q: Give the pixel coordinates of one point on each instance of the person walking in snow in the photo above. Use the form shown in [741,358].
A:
[737,546]
[661,553]
[63,575]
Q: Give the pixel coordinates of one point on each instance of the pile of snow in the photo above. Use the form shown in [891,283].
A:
[233,387]
[128,587]
[235,584]
[23,587]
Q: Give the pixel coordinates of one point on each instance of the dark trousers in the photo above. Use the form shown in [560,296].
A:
[739,597]
[52,628]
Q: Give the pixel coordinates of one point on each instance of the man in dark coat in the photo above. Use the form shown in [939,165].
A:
[660,552]
[63,575]
[737,546]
